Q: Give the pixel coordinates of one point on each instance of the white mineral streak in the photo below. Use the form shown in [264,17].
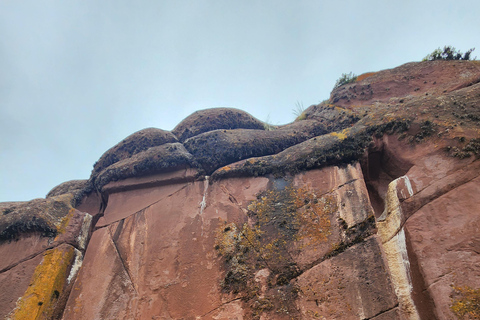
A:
[203,204]
[408,185]
[361,312]
[82,242]
[83,236]
[392,237]
[76,265]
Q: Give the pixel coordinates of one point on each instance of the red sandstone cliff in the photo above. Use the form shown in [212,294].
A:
[366,209]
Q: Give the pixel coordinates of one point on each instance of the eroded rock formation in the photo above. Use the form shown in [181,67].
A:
[367,208]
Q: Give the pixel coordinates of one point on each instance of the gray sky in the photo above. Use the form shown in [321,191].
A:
[78,76]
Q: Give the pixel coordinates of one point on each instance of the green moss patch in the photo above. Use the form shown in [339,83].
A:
[282,222]
[44,216]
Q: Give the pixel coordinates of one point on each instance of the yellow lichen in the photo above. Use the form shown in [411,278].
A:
[46,285]
[62,226]
[342,135]
[466,305]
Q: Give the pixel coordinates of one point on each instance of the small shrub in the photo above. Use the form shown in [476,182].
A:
[344,79]
[267,125]
[449,53]
[299,111]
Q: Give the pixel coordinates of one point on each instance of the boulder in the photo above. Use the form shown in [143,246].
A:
[131,145]
[218,148]
[168,156]
[39,215]
[212,119]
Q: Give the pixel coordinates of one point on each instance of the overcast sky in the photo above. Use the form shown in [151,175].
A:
[76,77]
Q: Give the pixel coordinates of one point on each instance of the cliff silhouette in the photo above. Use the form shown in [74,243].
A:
[365,207]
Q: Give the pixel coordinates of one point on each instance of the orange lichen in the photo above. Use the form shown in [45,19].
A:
[466,305]
[46,285]
[364,76]
[225,169]
[295,213]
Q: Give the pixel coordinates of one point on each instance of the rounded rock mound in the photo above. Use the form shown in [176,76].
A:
[71,186]
[169,156]
[44,216]
[212,119]
[131,145]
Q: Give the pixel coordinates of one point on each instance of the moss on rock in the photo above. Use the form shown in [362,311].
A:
[169,156]
[40,215]
[279,219]
[71,186]
[218,148]
[216,118]
[131,145]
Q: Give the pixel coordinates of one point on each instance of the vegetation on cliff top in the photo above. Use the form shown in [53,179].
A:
[449,53]
[345,78]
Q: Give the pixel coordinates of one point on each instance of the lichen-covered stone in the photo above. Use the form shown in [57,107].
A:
[78,188]
[40,215]
[212,119]
[71,186]
[41,299]
[333,148]
[131,145]
[153,160]
[218,148]
[331,117]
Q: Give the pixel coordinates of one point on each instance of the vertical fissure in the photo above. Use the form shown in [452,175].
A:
[117,233]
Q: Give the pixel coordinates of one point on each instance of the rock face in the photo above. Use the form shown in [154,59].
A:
[365,209]
[42,245]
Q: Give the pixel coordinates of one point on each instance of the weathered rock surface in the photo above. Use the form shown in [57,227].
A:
[212,119]
[40,215]
[156,159]
[215,149]
[366,209]
[42,246]
[72,186]
[133,144]
[351,285]
[425,78]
